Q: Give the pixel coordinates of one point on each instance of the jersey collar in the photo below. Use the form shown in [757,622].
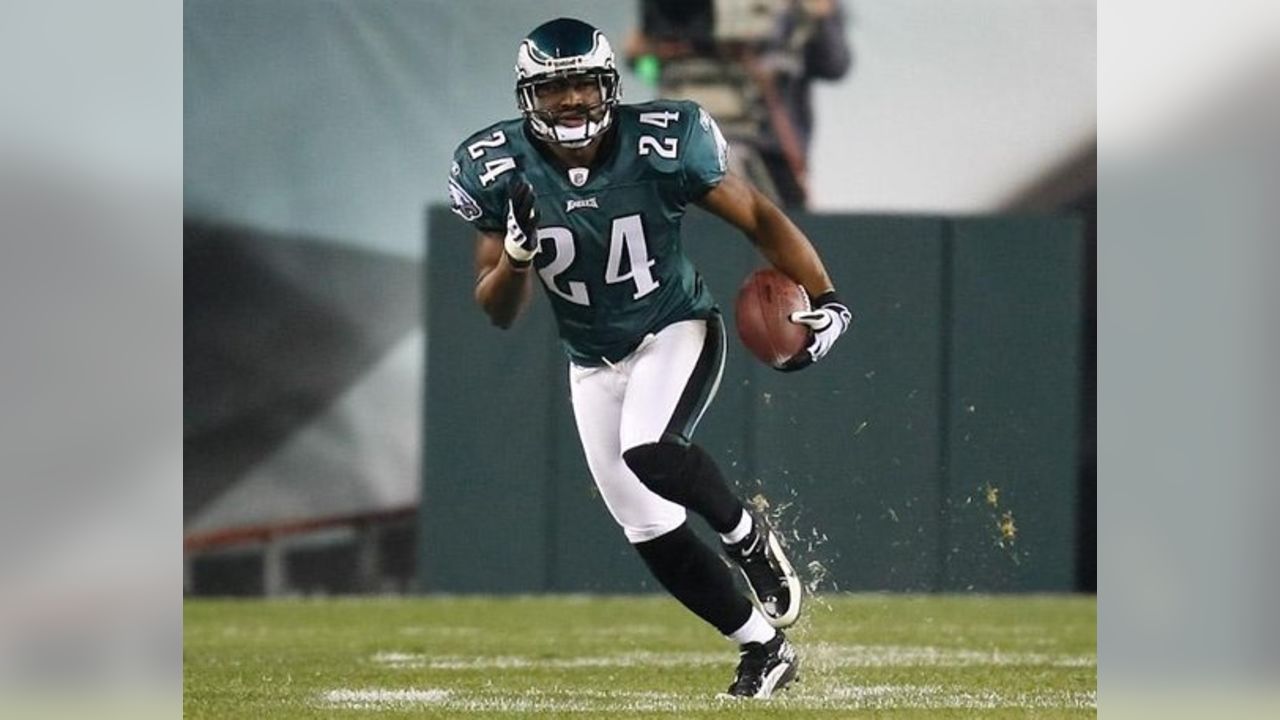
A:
[604,157]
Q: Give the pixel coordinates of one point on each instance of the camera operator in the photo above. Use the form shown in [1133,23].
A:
[750,63]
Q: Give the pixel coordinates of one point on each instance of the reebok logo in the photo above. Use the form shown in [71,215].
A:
[572,205]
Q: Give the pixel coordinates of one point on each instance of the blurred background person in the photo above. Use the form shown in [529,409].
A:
[751,64]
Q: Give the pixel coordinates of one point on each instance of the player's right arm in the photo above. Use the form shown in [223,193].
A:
[502,288]
[503,262]
[487,190]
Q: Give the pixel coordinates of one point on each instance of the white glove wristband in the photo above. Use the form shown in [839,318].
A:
[828,322]
[517,243]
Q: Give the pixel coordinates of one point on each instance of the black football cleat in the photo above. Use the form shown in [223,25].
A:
[764,668]
[773,582]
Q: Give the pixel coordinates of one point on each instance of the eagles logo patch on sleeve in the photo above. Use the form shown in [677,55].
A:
[462,203]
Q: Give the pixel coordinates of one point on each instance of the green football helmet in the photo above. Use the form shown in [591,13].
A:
[559,50]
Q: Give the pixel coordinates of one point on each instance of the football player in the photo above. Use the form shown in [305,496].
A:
[584,196]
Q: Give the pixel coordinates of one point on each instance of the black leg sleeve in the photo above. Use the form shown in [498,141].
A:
[697,577]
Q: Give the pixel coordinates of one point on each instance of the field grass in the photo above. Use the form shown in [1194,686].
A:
[882,656]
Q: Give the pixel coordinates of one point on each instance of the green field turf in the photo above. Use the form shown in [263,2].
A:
[883,656]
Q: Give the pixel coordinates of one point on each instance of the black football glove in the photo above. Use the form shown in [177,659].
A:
[522,222]
[828,320]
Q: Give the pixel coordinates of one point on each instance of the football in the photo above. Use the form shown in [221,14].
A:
[763,311]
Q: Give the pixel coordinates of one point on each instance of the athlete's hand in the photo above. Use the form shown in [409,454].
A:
[522,223]
[828,320]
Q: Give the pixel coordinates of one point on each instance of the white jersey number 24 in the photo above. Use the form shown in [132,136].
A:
[626,236]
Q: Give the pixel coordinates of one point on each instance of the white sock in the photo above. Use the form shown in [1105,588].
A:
[739,531]
[755,629]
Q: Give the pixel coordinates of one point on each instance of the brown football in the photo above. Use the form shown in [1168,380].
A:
[763,309]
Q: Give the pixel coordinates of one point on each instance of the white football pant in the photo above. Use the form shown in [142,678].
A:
[657,393]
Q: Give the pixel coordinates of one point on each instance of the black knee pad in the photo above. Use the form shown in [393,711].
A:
[686,475]
[661,467]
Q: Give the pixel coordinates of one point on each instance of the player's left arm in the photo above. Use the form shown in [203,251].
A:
[782,243]
[785,247]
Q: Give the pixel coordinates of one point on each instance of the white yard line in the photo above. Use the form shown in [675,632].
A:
[370,699]
[938,697]
[850,697]
[863,656]
[821,691]
[411,661]
[818,655]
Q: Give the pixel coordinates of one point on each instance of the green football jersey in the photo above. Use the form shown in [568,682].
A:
[611,263]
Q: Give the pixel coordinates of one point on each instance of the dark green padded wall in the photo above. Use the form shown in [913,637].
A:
[1013,414]
[871,458]
[490,437]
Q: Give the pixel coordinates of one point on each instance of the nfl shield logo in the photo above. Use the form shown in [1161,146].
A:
[578,176]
